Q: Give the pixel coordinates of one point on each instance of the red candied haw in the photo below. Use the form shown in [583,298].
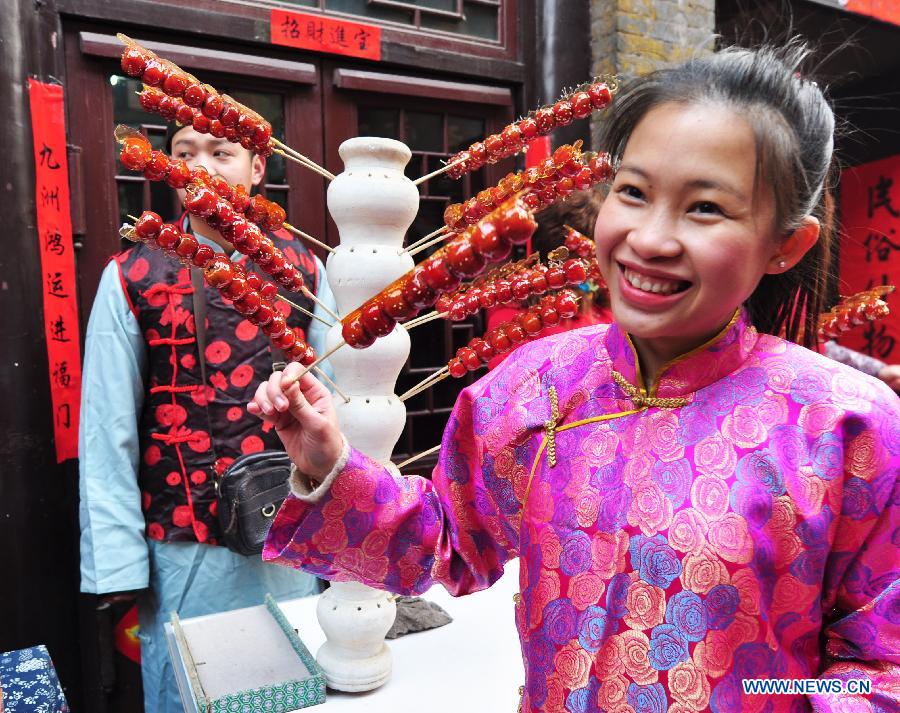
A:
[456,368]
[276,327]
[473,301]
[157,167]
[168,237]
[275,216]
[175,84]
[268,290]
[287,277]
[263,315]
[565,186]
[256,211]
[230,115]
[241,199]
[468,357]
[247,124]
[454,216]
[201,123]
[149,99]
[531,177]
[216,129]
[515,333]
[179,174]
[219,272]
[222,187]
[235,289]
[444,302]
[499,194]
[556,277]
[539,284]
[518,225]
[462,258]
[532,201]
[477,155]
[212,106]
[490,242]
[600,95]
[246,143]
[457,311]
[575,271]
[395,305]
[549,315]
[521,287]
[203,256]
[499,340]
[529,128]
[355,334]
[562,112]
[584,179]
[473,212]
[438,275]
[231,135]
[375,321]
[563,154]
[135,154]
[184,115]
[503,288]
[581,104]
[148,225]
[493,144]
[545,120]
[308,358]
[167,108]
[286,340]
[134,61]
[265,251]
[487,298]
[187,247]
[417,291]
[194,95]
[276,264]
[601,167]
[531,322]
[485,199]
[249,303]
[201,201]
[154,73]
[298,285]
[548,195]
[512,139]
[461,163]
[566,305]
[484,350]
[262,134]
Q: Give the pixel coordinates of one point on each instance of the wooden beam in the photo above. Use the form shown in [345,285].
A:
[359,80]
[208,60]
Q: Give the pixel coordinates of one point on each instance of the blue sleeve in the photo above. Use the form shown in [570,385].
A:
[317,331]
[114,554]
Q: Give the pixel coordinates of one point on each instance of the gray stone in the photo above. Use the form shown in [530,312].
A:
[415,614]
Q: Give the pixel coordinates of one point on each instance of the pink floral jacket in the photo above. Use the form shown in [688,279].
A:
[738,522]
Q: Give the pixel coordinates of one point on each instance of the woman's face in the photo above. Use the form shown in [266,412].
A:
[683,237]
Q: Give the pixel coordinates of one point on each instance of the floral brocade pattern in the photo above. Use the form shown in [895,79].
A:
[670,553]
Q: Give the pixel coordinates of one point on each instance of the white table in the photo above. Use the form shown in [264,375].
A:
[472,664]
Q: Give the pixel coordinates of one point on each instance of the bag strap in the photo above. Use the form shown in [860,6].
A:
[199,297]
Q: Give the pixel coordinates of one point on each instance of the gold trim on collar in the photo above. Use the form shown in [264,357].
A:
[640,401]
[550,426]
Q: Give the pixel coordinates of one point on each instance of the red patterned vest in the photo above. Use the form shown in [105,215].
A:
[179,458]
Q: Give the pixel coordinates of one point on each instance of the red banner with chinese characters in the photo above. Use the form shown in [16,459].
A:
[870,250]
[886,10]
[54,224]
[325,34]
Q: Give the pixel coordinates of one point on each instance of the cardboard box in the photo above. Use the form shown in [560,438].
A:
[243,661]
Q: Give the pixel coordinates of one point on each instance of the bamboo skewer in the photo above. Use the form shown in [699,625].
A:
[303,159]
[413,246]
[420,455]
[411,324]
[311,166]
[426,383]
[438,172]
[307,236]
[334,386]
[304,310]
[306,293]
[317,362]
[420,248]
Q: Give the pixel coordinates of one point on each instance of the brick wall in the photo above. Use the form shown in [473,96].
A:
[632,37]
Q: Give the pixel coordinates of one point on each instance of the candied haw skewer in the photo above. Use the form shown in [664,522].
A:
[516,136]
[854,310]
[578,243]
[249,294]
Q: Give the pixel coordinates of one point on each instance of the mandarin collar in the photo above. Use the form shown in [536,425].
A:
[692,371]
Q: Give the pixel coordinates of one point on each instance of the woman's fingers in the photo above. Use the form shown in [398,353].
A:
[275,394]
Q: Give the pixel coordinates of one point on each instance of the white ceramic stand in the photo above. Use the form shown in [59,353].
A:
[373,204]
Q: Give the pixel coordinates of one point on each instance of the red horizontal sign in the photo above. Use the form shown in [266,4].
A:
[325,34]
[886,10]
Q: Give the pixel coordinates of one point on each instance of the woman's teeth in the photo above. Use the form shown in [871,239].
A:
[652,284]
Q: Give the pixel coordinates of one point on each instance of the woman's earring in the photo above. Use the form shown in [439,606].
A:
[782,264]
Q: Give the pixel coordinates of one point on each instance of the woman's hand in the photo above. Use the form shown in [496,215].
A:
[304,418]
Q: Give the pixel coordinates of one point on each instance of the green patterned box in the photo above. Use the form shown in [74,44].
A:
[244,661]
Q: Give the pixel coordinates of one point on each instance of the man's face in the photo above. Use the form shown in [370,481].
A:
[218,156]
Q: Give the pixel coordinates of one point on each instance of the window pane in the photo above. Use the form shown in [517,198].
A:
[477,21]
[379,122]
[131,200]
[365,9]
[424,132]
[462,132]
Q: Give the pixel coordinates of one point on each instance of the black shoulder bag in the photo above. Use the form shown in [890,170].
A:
[252,488]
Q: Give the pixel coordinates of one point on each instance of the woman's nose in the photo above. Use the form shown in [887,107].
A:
[655,236]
